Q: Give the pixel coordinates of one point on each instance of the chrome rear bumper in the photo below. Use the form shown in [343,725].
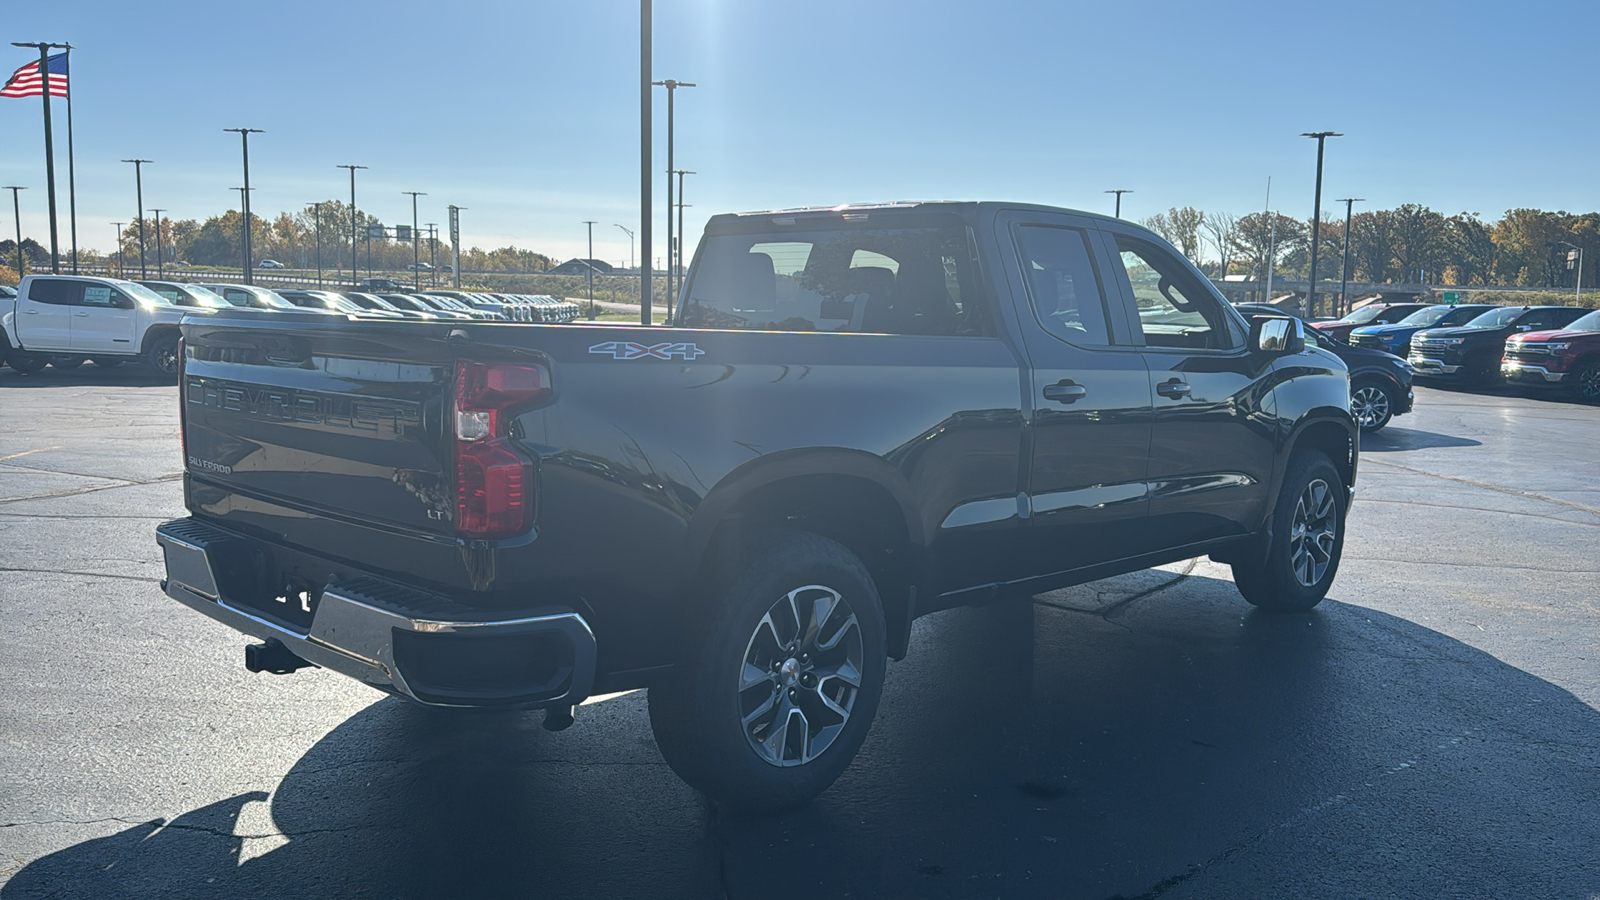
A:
[390,636]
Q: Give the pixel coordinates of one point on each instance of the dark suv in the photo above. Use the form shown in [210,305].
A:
[1471,353]
[1395,337]
[1380,382]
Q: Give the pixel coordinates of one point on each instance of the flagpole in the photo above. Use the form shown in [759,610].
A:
[72,177]
[49,150]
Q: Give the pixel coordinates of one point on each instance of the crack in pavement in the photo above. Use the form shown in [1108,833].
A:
[163,825]
[104,487]
[1476,509]
[139,578]
[1118,606]
[1431,562]
[1501,489]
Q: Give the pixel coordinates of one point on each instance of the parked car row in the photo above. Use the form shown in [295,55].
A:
[1380,382]
[66,320]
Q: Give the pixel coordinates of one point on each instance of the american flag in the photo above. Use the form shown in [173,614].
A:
[25,82]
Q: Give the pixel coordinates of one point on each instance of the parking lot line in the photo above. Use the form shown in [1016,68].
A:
[28,453]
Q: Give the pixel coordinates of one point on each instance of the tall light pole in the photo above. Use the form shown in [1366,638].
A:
[672,88]
[244,198]
[630,244]
[1119,192]
[588,264]
[433,250]
[455,245]
[16,210]
[675,252]
[645,148]
[1316,217]
[244,135]
[119,247]
[416,260]
[160,252]
[352,218]
[1578,289]
[138,184]
[1344,278]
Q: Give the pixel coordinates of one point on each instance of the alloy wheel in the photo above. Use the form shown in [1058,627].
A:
[801,674]
[1369,405]
[1589,384]
[1313,532]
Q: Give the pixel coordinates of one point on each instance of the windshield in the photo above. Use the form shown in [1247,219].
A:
[1433,315]
[1496,318]
[334,301]
[204,297]
[1590,322]
[142,293]
[1363,315]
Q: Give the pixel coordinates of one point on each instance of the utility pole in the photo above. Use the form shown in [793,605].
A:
[672,87]
[16,210]
[138,183]
[244,135]
[1119,192]
[353,256]
[1344,279]
[1316,216]
[49,143]
[588,264]
[160,253]
[630,245]
[416,260]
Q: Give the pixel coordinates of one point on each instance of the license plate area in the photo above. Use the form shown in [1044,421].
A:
[256,580]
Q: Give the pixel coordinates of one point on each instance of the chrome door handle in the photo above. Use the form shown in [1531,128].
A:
[1173,389]
[81,315]
[1065,391]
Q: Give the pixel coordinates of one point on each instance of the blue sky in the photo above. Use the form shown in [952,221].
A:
[526,113]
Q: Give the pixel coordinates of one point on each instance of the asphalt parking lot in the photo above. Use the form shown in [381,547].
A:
[1432,730]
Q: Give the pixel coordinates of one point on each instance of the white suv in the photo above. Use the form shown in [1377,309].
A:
[64,319]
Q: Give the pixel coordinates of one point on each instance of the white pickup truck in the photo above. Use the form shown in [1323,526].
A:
[63,320]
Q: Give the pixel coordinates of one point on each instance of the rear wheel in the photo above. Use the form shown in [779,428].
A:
[1306,539]
[772,702]
[1372,405]
[162,355]
[25,362]
[1586,381]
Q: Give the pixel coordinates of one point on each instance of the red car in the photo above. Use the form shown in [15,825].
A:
[1566,357]
[1371,314]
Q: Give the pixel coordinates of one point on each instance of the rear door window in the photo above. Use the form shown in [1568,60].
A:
[1063,287]
[56,291]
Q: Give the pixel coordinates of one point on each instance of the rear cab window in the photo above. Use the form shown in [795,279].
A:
[872,271]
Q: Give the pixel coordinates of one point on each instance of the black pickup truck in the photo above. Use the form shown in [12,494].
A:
[861,416]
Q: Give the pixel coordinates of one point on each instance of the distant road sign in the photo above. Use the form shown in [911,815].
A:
[402,232]
[375,232]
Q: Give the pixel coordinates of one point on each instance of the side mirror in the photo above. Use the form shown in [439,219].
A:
[1277,335]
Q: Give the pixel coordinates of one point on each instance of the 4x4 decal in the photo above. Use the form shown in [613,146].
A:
[632,350]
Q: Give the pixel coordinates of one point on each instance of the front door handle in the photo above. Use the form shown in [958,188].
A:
[1065,391]
[1173,389]
[81,315]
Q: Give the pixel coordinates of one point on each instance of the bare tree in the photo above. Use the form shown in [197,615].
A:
[1220,227]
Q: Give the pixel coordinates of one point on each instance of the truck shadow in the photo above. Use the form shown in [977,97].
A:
[1118,739]
[1391,439]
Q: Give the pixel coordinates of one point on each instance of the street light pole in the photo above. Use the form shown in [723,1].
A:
[588,264]
[1316,217]
[645,135]
[630,245]
[352,219]
[244,134]
[672,87]
[1119,192]
[160,272]
[677,251]
[1344,279]
[119,247]
[138,183]
[316,213]
[416,260]
[1577,289]
[433,251]
[16,210]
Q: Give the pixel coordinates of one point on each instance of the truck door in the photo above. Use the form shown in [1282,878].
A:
[1087,401]
[44,316]
[1211,451]
[104,321]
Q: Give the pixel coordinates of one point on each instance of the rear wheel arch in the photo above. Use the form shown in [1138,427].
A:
[855,505]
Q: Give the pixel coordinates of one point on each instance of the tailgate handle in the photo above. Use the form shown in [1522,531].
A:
[285,353]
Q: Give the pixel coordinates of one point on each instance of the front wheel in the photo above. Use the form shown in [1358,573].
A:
[1372,405]
[1306,539]
[773,700]
[1586,382]
[25,362]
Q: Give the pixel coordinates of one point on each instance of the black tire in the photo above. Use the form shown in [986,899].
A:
[26,363]
[717,721]
[67,362]
[1483,371]
[1586,382]
[1296,573]
[1372,404]
[161,355]
[106,362]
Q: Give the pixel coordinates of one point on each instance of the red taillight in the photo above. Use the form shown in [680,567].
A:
[494,480]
